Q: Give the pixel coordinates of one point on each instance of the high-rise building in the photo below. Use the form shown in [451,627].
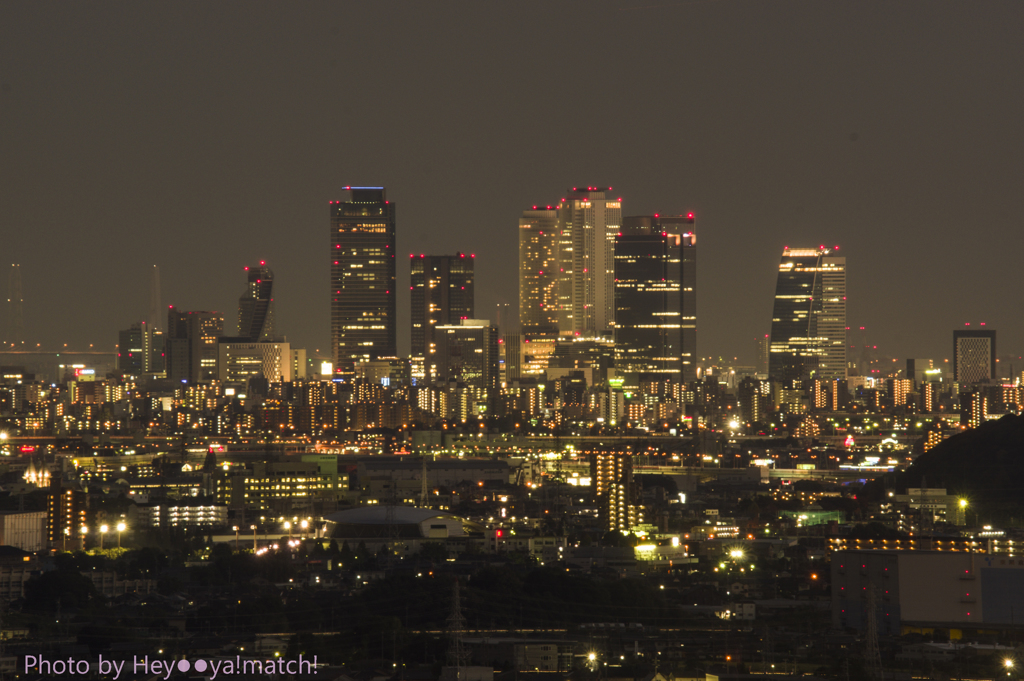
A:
[362,278]
[588,224]
[656,298]
[240,360]
[140,350]
[192,337]
[538,271]
[808,336]
[256,305]
[974,356]
[566,266]
[468,353]
[442,294]
[617,497]
[762,354]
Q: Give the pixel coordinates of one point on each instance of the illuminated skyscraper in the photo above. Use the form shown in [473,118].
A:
[656,298]
[538,271]
[588,225]
[256,306]
[362,278]
[442,294]
[566,268]
[809,318]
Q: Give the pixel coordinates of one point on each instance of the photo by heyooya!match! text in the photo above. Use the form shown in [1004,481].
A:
[164,668]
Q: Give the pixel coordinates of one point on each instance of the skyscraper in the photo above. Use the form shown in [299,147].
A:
[588,224]
[442,294]
[256,305]
[656,298]
[362,278]
[192,345]
[974,356]
[566,268]
[140,350]
[809,318]
[538,271]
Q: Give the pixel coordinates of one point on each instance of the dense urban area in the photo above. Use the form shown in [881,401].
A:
[566,492]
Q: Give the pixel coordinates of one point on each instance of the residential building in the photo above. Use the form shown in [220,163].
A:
[617,497]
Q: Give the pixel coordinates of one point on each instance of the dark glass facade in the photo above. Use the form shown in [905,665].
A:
[656,298]
[256,306]
[808,338]
[442,293]
[191,344]
[362,278]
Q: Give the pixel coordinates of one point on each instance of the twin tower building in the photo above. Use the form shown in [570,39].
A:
[586,273]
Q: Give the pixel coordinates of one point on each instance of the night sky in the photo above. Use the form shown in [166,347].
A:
[204,137]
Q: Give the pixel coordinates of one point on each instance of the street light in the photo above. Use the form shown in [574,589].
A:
[288,526]
[253,528]
[304,525]
[103,530]
[120,529]
[235,528]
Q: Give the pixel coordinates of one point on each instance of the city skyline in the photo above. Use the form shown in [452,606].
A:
[771,134]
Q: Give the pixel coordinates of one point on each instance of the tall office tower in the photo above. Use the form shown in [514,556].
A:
[442,294]
[256,306]
[611,475]
[588,224]
[809,318]
[362,278]
[656,298]
[15,313]
[538,271]
[154,299]
[974,356]
[191,353]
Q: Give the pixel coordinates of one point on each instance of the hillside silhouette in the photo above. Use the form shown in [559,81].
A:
[984,464]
